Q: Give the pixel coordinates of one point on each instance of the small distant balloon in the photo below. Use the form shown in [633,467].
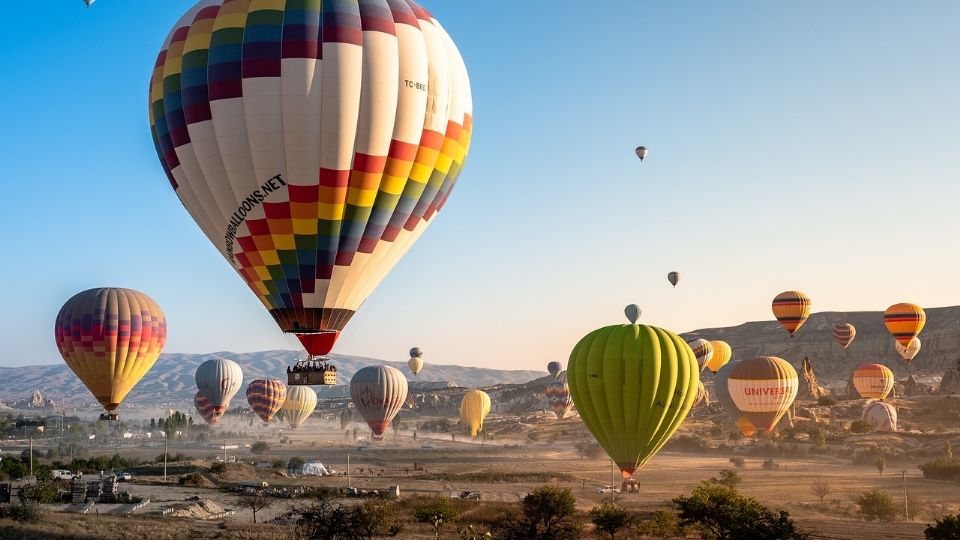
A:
[873,381]
[641,152]
[632,312]
[844,333]
[791,308]
[88,3]
[910,351]
[703,350]
[554,368]
[904,321]
[416,360]
[673,278]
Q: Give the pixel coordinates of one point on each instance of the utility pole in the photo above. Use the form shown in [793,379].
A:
[613,494]
[164,459]
[224,452]
[348,470]
[906,506]
[31,456]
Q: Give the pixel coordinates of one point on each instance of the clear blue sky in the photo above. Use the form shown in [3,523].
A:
[793,145]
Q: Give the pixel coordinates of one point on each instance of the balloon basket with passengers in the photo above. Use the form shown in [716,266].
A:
[314,371]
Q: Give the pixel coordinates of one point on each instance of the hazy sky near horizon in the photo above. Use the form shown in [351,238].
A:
[809,146]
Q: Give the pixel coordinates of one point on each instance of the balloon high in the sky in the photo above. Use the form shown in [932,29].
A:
[904,321]
[299,405]
[633,385]
[312,143]
[881,416]
[909,352]
[379,393]
[721,355]
[844,333]
[873,381]
[791,308]
[673,278]
[206,410]
[416,360]
[265,397]
[554,368]
[763,388]
[219,379]
[558,396]
[474,408]
[641,152]
[721,391]
[632,311]
[110,338]
[88,3]
[703,350]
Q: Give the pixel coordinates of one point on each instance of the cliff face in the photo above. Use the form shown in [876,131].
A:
[940,338]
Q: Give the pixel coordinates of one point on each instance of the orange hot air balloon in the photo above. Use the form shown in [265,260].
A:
[763,388]
[721,355]
[844,333]
[904,321]
[791,308]
[873,381]
[745,426]
[207,411]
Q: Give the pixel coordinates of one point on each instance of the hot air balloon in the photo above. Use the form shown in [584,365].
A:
[558,397]
[873,381]
[416,360]
[473,410]
[703,350]
[378,393]
[910,351]
[299,405]
[721,355]
[882,416]
[641,152]
[703,397]
[844,333]
[633,385]
[88,3]
[673,278]
[312,143]
[763,388]
[554,369]
[219,379]
[721,391]
[904,321]
[265,397]
[110,338]
[791,308]
[206,410]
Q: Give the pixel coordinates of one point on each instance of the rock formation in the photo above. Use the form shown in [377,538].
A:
[911,387]
[809,388]
[950,385]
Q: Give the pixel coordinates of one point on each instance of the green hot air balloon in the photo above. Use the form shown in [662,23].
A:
[633,385]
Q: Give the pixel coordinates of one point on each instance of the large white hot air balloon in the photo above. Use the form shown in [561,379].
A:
[378,392]
[219,379]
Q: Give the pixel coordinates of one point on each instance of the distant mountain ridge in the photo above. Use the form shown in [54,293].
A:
[172,378]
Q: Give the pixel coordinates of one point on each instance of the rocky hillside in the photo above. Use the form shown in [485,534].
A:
[172,378]
[940,340]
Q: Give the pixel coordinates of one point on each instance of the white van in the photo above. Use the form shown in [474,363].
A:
[62,474]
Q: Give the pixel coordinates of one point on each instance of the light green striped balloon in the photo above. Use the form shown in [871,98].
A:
[633,385]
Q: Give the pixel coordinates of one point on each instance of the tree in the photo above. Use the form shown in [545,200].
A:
[820,488]
[373,518]
[610,518]
[255,502]
[326,520]
[295,464]
[738,461]
[218,468]
[437,511]
[877,505]
[153,425]
[727,515]
[546,514]
[728,477]
[945,528]
[662,524]
[880,463]
[260,447]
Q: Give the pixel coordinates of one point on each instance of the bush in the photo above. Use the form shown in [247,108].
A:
[295,463]
[25,512]
[661,524]
[373,518]
[946,528]
[191,480]
[42,491]
[826,400]
[218,468]
[738,462]
[609,518]
[727,515]
[546,514]
[877,505]
[941,469]
[769,465]
[260,447]
[437,511]
[728,477]
[860,426]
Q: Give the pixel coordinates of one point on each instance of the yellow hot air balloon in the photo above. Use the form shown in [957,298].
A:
[633,385]
[473,410]
[904,321]
[416,360]
[791,308]
[763,388]
[873,381]
[299,404]
[110,338]
[721,355]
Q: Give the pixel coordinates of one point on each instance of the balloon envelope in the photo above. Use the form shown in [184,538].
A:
[554,368]
[474,409]
[721,355]
[633,385]
[206,410]
[312,142]
[219,379]
[873,381]
[299,405]
[641,152]
[909,352]
[904,321]
[673,278]
[844,333]
[791,308]
[703,397]
[558,397]
[416,352]
[265,397]
[721,391]
[763,388]
[703,350]
[415,364]
[110,338]
[379,393]
[882,416]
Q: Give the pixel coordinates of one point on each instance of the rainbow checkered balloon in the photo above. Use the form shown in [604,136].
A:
[312,141]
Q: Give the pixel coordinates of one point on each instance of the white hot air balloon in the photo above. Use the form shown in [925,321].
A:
[299,405]
[378,392]
[219,379]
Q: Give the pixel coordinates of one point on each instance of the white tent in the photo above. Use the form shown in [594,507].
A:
[313,468]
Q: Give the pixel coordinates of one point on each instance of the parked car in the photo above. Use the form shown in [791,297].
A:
[123,476]
[62,474]
[465,495]
[608,489]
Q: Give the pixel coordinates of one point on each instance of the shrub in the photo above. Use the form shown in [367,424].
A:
[191,480]
[609,518]
[546,514]
[436,511]
[946,528]
[218,468]
[42,491]
[727,515]
[826,400]
[661,524]
[860,426]
[941,469]
[260,447]
[728,477]
[877,505]
[25,512]
[738,462]
[769,465]
[295,463]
